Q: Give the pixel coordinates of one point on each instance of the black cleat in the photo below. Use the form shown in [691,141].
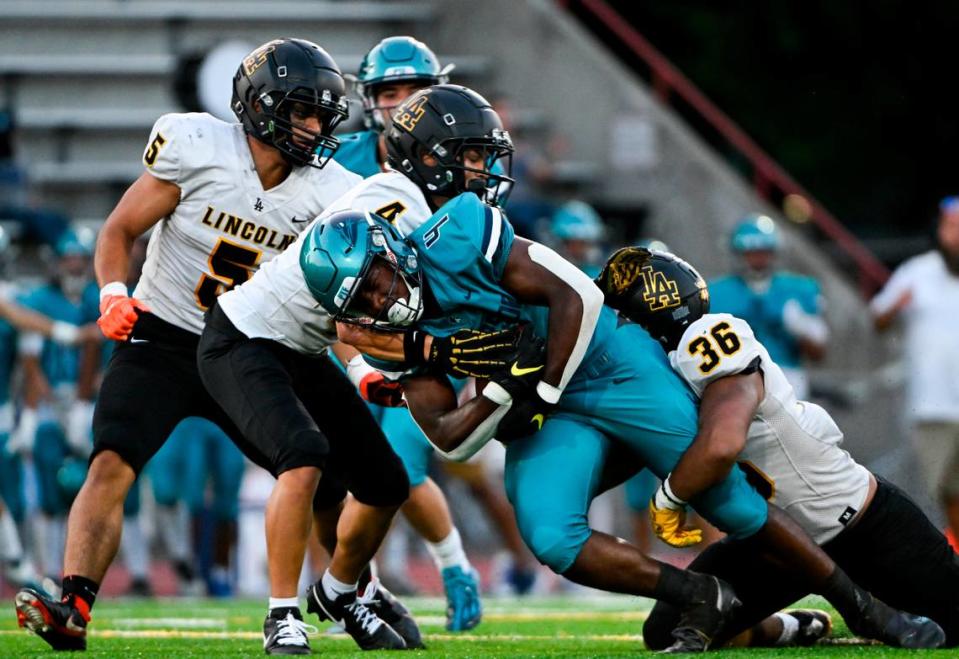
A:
[63,625]
[814,625]
[703,619]
[391,611]
[286,635]
[879,621]
[366,628]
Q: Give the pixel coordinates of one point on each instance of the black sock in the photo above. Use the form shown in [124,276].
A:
[281,611]
[85,589]
[848,598]
[680,587]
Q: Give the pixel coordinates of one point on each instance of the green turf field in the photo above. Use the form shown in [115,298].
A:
[542,627]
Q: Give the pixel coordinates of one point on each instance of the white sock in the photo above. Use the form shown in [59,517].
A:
[448,552]
[284,603]
[134,546]
[790,629]
[174,528]
[334,587]
[10,547]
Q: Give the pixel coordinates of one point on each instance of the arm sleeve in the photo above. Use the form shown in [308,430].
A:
[714,347]
[899,283]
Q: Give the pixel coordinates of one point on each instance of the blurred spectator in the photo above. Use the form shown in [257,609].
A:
[526,203]
[924,291]
[578,230]
[784,309]
[39,224]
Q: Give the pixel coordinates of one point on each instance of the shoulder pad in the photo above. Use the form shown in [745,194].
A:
[715,346]
[181,143]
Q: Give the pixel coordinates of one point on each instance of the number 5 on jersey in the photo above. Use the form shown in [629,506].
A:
[230,265]
[721,339]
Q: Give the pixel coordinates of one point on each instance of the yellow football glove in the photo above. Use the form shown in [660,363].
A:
[667,515]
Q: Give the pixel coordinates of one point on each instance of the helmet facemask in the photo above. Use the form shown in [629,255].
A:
[447,177]
[398,311]
[280,129]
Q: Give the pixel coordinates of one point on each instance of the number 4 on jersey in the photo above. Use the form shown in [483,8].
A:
[724,340]
[230,265]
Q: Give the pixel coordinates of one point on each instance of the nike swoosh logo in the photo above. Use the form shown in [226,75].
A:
[519,372]
[132,340]
[538,419]
[296,221]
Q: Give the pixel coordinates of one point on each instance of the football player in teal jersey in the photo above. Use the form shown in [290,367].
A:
[603,386]
[393,69]
[783,308]
[578,230]
[51,376]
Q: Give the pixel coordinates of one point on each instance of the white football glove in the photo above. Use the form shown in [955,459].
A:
[79,427]
[24,435]
[804,325]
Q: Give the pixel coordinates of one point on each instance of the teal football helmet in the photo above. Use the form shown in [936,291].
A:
[576,220]
[336,257]
[392,60]
[75,243]
[755,233]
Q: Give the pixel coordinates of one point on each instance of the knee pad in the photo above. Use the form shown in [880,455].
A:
[554,544]
[389,488]
[307,448]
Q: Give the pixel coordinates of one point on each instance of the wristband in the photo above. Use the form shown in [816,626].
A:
[114,288]
[414,341]
[64,333]
[666,498]
[496,393]
[548,392]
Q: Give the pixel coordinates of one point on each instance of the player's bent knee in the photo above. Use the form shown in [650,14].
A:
[657,630]
[302,480]
[109,469]
[389,490]
[308,448]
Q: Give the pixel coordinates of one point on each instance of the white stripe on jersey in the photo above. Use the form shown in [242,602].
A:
[497,228]
[225,225]
[276,303]
[792,444]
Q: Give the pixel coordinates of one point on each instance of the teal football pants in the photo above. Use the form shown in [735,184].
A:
[630,395]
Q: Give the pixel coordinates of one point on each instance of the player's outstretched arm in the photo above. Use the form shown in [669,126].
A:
[725,412]
[456,432]
[537,275]
[147,201]
[28,320]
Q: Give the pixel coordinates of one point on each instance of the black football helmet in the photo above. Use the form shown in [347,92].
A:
[275,77]
[444,121]
[657,290]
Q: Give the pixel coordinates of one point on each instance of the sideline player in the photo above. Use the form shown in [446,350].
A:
[783,308]
[790,448]
[224,198]
[479,276]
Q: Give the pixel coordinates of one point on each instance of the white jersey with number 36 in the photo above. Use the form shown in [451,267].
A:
[226,225]
[276,304]
[792,452]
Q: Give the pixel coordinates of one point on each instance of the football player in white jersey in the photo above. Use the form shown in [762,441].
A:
[270,335]
[790,451]
[222,199]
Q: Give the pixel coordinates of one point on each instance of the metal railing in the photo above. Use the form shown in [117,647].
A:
[768,177]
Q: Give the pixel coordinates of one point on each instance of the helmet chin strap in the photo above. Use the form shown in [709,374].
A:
[403,312]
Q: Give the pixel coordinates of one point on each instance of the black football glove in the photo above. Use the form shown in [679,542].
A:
[525,368]
[525,417]
[467,353]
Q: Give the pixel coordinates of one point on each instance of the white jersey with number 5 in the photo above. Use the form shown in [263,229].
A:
[226,225]
[276,304]
[792,451]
